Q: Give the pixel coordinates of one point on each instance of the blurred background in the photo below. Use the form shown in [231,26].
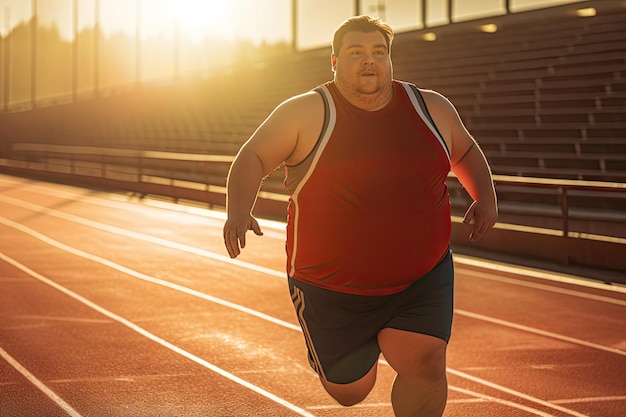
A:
[56,50]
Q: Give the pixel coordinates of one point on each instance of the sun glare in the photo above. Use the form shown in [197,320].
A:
[194,19]
[202,18]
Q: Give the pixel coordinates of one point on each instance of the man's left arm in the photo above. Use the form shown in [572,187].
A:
[469,164]
[474,173]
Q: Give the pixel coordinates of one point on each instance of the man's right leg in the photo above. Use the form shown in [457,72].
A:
[354,392]
[342,343]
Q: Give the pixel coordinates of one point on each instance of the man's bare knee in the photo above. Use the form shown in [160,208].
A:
[344,397]
[430,366]
[354,392]
[414,355]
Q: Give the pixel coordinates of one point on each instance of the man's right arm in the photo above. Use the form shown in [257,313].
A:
[273,143]
[244,179]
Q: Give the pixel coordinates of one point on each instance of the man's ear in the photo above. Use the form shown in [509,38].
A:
[333,62]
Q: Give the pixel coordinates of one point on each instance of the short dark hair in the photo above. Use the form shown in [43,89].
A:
[362,24]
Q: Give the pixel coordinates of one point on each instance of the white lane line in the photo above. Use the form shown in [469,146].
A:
[139,275]
[484,397]
[590,400]
[155,338]
[543,287]
[157,281]
[342,407]
[540,332]
[143,237]
[539,274]
[60,318]
[136,204]
[517,393]
[40,385]
[479,399]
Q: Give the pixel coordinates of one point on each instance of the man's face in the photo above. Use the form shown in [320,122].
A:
[363,64]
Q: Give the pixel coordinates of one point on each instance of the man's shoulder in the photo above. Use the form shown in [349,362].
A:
[308,101]
[426,93]
[435,100]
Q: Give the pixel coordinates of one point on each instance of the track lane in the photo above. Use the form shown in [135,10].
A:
[134,355]
[320,408]
[202,329]
[139,225]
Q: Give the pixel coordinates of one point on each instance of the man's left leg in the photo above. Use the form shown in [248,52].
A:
[420,388]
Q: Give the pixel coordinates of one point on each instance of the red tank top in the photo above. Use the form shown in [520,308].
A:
[369,210]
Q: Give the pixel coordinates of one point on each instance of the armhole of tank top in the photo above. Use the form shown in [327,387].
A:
[307,166]
[420,106]
[319,91]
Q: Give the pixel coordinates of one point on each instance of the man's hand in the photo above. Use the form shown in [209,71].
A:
[235,230]
[483,215]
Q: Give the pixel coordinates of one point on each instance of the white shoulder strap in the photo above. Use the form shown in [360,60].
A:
[420,107]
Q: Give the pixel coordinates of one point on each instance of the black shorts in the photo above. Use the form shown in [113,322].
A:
[341,329]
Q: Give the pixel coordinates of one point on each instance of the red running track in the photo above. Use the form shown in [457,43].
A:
[115,306]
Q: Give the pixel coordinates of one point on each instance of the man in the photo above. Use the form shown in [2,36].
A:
[368,232]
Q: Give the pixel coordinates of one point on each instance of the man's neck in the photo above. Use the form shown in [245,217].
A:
[368,102]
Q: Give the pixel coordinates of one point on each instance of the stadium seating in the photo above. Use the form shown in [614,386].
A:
[543,99]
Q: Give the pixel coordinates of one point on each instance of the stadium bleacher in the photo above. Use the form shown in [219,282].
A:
[544,95]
